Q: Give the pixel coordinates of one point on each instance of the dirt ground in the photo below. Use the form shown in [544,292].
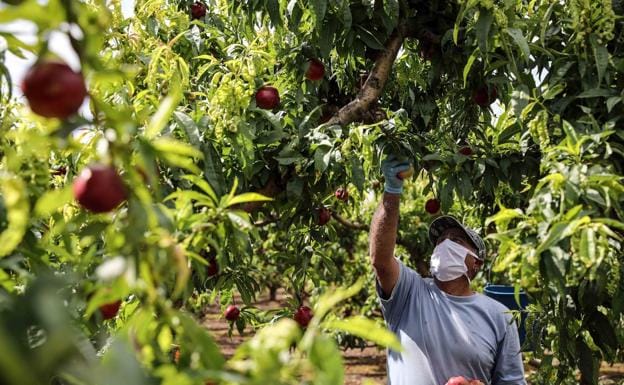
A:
[369,363]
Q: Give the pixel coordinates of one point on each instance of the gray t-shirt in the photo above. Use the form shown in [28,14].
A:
[445,336]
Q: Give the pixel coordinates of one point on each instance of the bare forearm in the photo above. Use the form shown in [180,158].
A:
[384,229]
[383,239]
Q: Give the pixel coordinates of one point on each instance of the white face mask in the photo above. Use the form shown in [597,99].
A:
[448,261]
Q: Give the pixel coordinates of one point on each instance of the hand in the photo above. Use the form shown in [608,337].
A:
[391,167]
[459,380]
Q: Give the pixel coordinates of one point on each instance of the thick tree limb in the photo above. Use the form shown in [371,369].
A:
[374,85]
[354,111]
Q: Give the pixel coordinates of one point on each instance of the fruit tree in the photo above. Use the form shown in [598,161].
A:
[226,148]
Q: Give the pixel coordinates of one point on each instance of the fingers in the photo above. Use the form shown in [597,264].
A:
[399,167]
[395,158]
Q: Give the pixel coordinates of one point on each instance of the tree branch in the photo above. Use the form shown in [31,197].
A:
[271,219]
[354,111]
[374,85]
[346,223]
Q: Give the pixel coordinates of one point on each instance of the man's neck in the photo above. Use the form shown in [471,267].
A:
[459,286]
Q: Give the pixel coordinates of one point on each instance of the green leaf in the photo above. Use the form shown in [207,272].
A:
[520,98]
[553,91]
[509,132]
[5,73]
[182,162]
[545,23]
[588,246]
[286,160]
[367,329]
[433,156]
[294,188]
[603,333]
[357,173]
[538,128]
[553,269]
[458,21]
[611,223]
[326,357]
[556,234]
[618,297]
[570,132]
[189,126]
[468,65]
[213,168]
[369,38]
[48,16]
[162,115]
[520,40]
[240,325]
[329,300]
[273,8]
[208,353]
[601,55]
[172,146]
[119,364]
[322,156]
[612,101]
[326,36]
[484,23]
[16,46]
[562,230]
[591,293]
[320,7]
[272,118]
[231,194]
[14,193]
[391,8]
[53,200]
[347,17]
[504,216]
[308,120]
[595,93]
[165,338]
[191,196]
[177,153]
[247,197]
[202,184]
[588,362]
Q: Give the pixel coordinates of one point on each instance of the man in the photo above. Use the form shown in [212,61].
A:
[445,328]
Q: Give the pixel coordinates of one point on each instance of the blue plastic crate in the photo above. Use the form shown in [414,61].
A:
[505,295]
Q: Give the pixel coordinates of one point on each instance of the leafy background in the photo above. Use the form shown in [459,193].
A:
[171,107]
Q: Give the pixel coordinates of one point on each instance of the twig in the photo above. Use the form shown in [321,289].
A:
[267,221]
[346,223]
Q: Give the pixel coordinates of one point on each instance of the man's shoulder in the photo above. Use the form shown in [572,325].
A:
[491,302]
[417,279]
[493,307]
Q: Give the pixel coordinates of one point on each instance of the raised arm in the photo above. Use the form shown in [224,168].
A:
[384,226]
[382,240]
